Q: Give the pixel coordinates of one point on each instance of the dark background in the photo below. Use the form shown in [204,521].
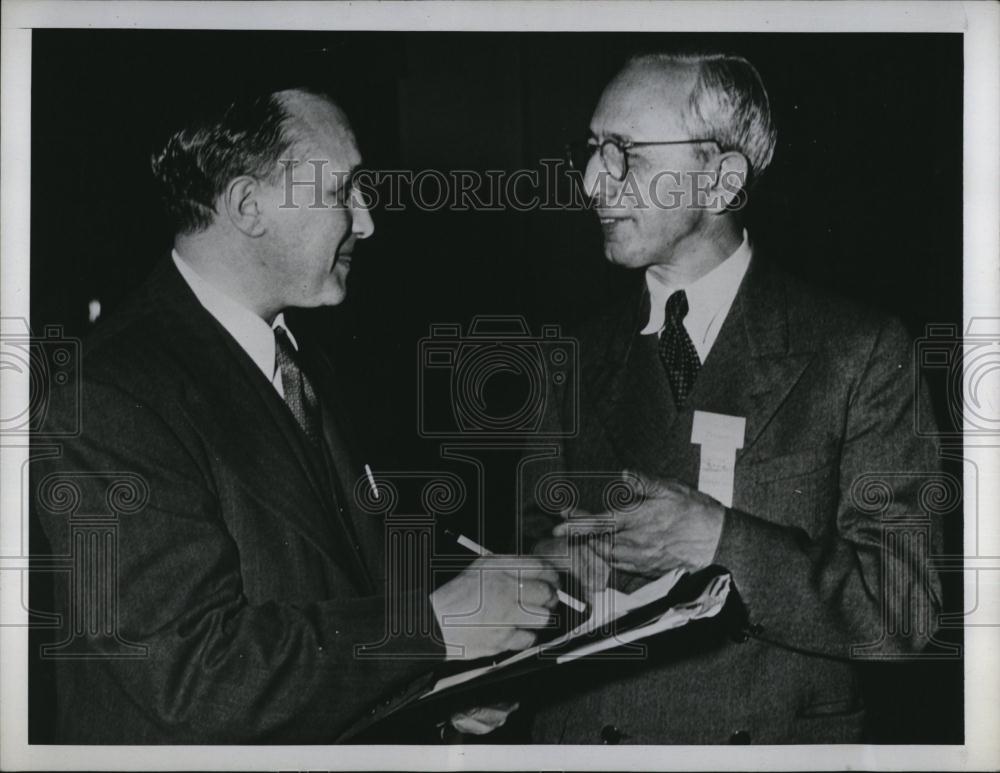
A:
[864,196]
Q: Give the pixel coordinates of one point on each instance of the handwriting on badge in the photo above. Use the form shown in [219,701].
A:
[720,437]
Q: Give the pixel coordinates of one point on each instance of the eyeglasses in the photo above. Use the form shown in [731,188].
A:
[615,153]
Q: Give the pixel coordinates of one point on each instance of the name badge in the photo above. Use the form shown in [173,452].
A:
[720,436]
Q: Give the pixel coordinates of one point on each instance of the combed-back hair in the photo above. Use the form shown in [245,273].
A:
[247,136]
[728,103]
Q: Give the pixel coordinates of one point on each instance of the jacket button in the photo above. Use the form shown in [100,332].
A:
[740,737]
[611,735]
[743,635]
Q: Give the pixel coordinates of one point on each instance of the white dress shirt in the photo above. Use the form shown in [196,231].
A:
[251,332]
[709,299]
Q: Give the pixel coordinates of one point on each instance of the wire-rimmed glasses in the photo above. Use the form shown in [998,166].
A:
[615,152]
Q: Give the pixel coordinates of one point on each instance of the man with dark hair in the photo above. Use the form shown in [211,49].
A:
[756,417]
[243,594]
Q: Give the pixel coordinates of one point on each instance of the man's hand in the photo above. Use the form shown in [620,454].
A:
[483,719]
[675,526]
[495,606]
[586,564]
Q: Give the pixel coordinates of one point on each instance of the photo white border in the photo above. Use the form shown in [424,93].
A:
[980,23]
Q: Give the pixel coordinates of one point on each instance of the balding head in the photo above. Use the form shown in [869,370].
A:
[247,136]
[310,116]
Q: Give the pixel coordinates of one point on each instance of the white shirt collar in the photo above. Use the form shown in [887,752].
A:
[709,298]
[251,332]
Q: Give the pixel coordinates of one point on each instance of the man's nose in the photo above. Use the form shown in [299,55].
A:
[362,225]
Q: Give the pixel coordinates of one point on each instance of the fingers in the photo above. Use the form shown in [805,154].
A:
[660,500]
[574,512]
[537,594]
[603,548]
[515,569]
[646,486]
[602,523]
[507,707]
[534,604]
[531,569]
[519,639]
[546,576]
[533,579]
[614,524]
[472,726]
[629,557]
[643,487]
[483,719]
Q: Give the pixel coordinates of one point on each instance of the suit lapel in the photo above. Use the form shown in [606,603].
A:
[245,420]
[749,372]
[342,470]
[628,386]
[754,363]
[640,411]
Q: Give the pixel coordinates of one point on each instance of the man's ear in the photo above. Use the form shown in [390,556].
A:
[241,203]
[731,186]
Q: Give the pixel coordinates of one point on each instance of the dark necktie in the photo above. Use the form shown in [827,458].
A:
[299,393]
[680,358]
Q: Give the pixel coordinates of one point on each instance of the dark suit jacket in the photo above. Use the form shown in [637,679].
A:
[241,567]
[828,392]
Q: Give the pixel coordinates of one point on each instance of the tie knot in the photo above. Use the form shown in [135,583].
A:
[677,307]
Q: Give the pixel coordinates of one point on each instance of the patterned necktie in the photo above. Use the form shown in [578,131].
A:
[299,393]
[677,352]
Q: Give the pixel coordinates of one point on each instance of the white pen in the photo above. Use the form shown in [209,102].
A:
[371,481]
[479,550]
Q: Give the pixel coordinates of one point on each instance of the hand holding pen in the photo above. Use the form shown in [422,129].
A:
[478,549]
[496,604]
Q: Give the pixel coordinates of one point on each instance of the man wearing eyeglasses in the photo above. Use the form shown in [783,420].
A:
[757,416]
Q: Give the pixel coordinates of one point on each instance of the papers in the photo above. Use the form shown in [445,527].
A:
[608,607]
[611,604]
[709,604]
[719,436]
